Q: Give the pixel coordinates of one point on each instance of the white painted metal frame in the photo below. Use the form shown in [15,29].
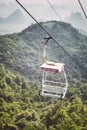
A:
[52,88]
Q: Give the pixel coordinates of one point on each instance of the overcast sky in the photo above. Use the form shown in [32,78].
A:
[41,10]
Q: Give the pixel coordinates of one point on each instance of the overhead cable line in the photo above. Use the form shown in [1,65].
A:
[56,14]
[54,9]
[58,17]
[50,35]
[43,28]
[82,8]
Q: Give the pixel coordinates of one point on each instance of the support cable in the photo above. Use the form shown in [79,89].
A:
[50,35]
[59,18]
[82,8]
[43,28]
[54,9]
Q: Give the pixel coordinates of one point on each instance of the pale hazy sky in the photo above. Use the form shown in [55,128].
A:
[63,7]
[41,10]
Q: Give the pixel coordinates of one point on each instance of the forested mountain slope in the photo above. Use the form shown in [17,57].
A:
[23,52]
[21,105]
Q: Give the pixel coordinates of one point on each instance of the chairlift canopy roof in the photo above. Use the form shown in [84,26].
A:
[53,67]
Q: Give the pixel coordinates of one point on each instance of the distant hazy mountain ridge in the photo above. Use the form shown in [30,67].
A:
[16,17]
[16,22]
[78,21]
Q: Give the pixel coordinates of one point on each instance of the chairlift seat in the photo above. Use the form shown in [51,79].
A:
[52,88]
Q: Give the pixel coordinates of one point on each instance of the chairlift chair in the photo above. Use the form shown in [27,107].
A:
[54,79]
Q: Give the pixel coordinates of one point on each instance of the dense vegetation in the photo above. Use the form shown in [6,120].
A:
[21,105]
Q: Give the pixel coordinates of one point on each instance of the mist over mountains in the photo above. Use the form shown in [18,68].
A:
[15,22]
[15,18]
[78,21]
